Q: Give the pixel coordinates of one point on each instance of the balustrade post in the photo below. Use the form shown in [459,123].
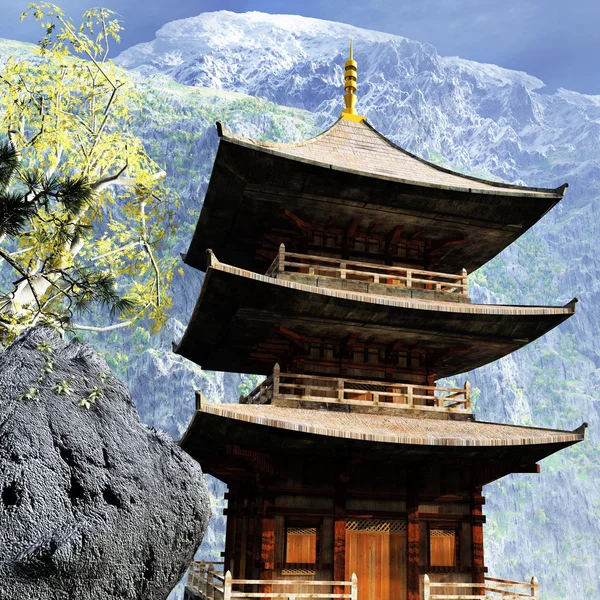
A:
[354,587]
[408,278]
[535,588]
[426,587]
[465,283]
[468,396]
[409,395]
[276,373]
[227,586]
[375,398]
[281,259]
[210,591]
[340,393]
[343,270]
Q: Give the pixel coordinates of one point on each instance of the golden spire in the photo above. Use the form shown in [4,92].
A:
[350,87]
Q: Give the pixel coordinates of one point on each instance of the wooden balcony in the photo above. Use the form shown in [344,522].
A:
[503,589]
[294,389]
[381,280]
[206,583]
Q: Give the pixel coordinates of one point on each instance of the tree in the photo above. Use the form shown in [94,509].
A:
[84,213]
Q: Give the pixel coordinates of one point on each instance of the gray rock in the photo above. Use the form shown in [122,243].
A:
[93,504]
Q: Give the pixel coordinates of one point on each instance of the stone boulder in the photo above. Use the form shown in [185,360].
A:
[93,504]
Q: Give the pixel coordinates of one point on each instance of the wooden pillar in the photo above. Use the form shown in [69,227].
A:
[339,553]
[339,527]
[279,541]
[477,537]
[243,547]
[267,552]
[413,535]
[231,558]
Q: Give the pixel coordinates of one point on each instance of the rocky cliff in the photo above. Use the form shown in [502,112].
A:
[93,504]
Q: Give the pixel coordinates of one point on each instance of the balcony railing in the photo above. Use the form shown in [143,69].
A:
[210,585]
[324,267]
[503,589]
[335,390]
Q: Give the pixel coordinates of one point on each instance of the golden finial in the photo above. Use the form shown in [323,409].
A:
[350,87]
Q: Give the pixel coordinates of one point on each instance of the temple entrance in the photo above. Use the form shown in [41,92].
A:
[376,550]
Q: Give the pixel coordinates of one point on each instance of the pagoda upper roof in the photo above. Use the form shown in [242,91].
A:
[357,147]
[351,171]
[238,309]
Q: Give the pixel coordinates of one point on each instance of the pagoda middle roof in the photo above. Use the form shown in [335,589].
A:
[272,428]
[351,171]
[237,310]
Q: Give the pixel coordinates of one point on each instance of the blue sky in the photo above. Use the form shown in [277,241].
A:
[555,40]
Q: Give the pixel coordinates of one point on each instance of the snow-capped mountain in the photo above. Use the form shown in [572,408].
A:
[478,116]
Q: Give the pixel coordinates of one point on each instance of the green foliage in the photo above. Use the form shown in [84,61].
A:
[84,213]
[31,394]
[95,394]
[45,347]
[249,382]
[63,388]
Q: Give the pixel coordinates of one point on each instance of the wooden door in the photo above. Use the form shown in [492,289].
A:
[376,550]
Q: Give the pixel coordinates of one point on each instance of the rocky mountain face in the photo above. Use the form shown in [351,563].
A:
[279,78]
[93,504]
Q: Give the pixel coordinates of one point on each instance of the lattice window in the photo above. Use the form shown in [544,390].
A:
[298,571]
[302,531]
[376,525]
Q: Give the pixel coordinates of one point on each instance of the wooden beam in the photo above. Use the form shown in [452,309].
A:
[295,220]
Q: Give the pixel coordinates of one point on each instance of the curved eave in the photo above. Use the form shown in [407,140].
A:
[239,309]
[495,188]
[266,427]
[253,184]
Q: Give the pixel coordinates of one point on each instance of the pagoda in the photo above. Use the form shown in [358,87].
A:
[337,268]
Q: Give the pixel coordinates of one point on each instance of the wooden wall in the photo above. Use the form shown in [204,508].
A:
[388,522]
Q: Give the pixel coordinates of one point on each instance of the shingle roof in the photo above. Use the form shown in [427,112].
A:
[391,429]
[358,148]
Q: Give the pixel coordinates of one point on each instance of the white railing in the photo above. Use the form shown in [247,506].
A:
[336,268]
[503,589]
[336,390]
[218,587]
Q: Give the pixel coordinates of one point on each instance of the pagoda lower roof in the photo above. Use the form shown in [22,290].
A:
[239,309]
[272,428]
[353,174]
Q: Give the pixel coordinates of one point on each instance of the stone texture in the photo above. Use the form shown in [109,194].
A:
[93,504]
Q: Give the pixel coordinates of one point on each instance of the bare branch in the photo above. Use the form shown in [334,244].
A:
[101,329]
[121,249]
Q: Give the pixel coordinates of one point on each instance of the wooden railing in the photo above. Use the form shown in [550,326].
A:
[317,388]
[218,587]
[207,579]
[367,272]
[503,589]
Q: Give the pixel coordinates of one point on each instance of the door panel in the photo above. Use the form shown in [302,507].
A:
[376,550]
